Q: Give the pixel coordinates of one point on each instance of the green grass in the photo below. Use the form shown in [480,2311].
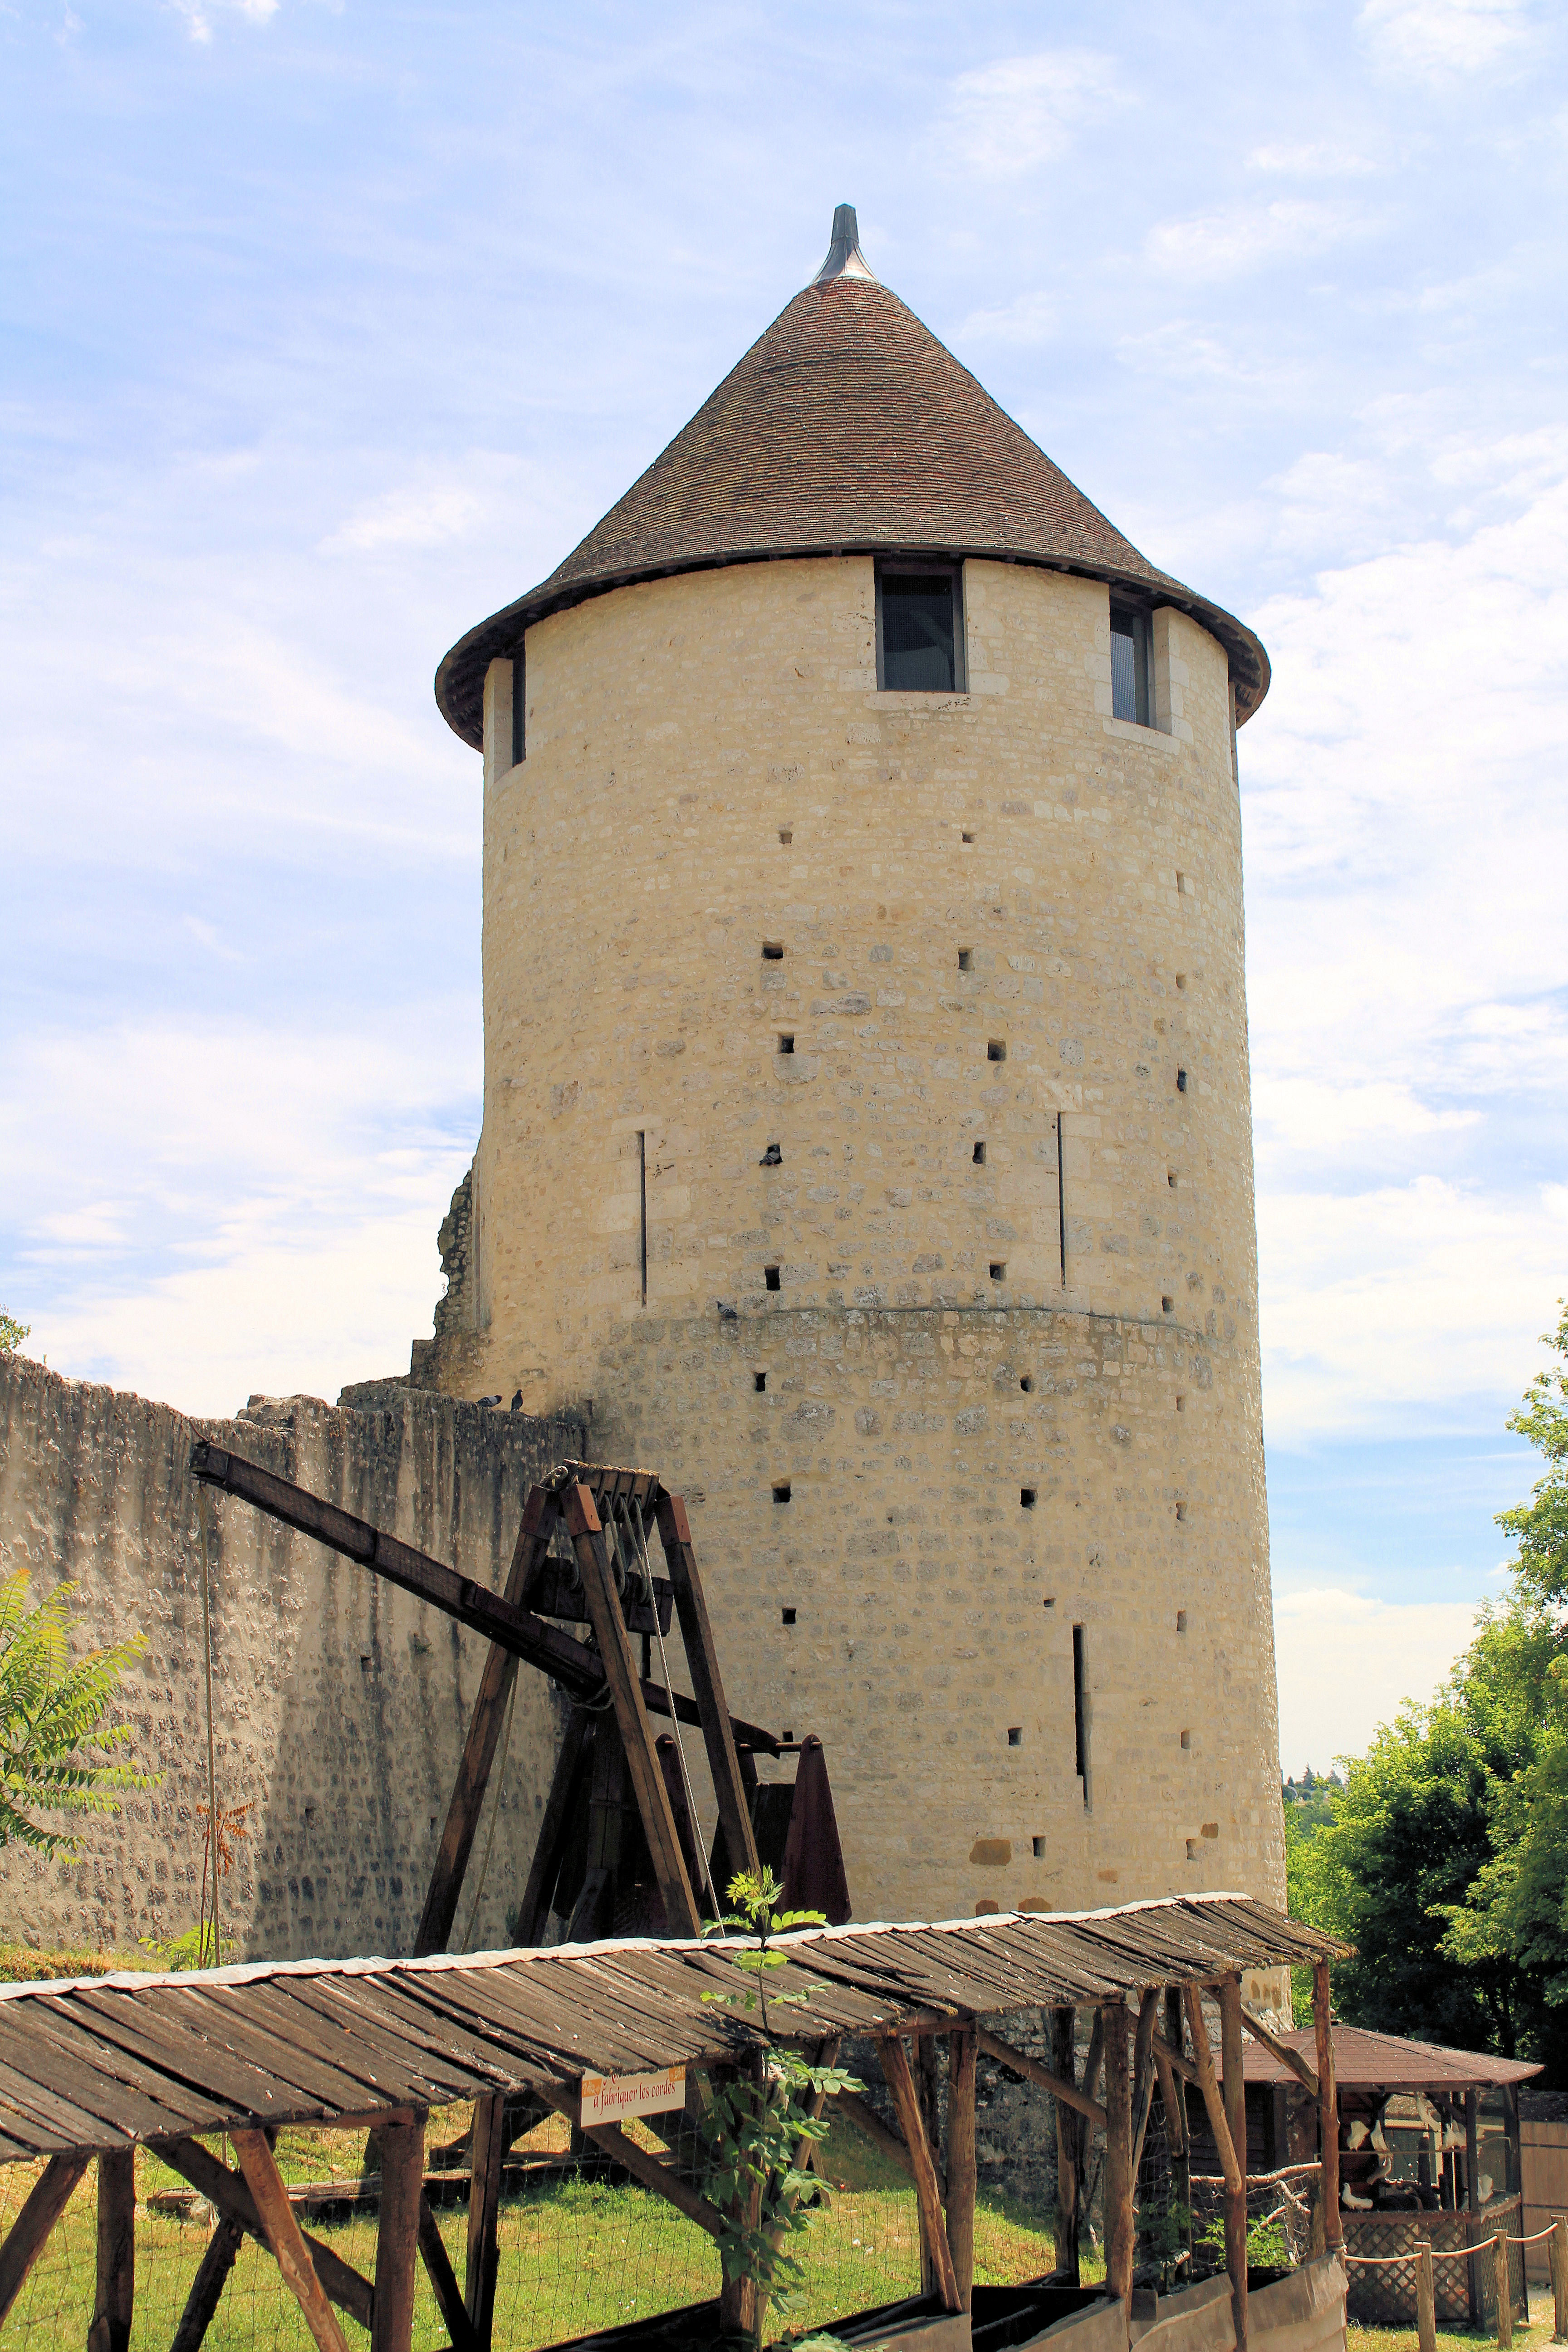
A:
[576,2254]
[1533,2338]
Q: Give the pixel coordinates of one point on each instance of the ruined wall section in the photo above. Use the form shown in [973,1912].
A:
[339,1703]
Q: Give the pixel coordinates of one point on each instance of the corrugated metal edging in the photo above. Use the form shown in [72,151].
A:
[104,2062]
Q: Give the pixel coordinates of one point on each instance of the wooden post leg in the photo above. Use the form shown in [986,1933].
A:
[739,2310]
[110,2330]
[484,2216]
[397,2235]
[1235,2118]
[1181,2157]
[924,2072]
[208,2286]
[1327,2110]
[963,2175]
[1063,2063]
[1503,2288]
[443,2281]
[933,2228]
[1559,2251]
[1473,2196]
[1118,2154]
[1425,2299]
[265,2183]
[46,2202]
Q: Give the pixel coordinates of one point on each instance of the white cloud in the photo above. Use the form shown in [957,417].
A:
[1243,238]
[1440,40]
[408,517]
[1308,162]
[1010,116]
[1027,319]
[198,14]
[1346,1662]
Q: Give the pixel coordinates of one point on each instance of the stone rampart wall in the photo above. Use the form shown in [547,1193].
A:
[339,1703]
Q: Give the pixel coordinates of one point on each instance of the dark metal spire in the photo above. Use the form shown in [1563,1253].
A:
[845,259]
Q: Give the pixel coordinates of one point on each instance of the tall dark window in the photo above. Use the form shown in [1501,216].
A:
[919,629]
[518,706]
[1130,696]
[1080,1710]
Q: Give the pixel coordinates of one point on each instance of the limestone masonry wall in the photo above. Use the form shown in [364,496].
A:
[339,1703]
[825,1004]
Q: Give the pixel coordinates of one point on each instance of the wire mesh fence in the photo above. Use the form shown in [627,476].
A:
[581,2248]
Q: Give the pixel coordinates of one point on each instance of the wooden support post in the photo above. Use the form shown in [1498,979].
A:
[933,2228]
[631,1715]
[707,1687]
[1503,2288]
[1328,2109]
[1473,2194]
[739,2310]
[397,2235]
[208,2286]
[443,2281]
[228,2193]
[1291,2060]
[1143,2075]
[1175,2100]
[1236,2120]
[1425,2299]
[116,2292]
[1119,2209]
[1064,2060]
[484,2213]
[46,2202]
[289,2250]
[924,2069]
[1225,2146]
[1557,2247]
[963,2174]
[479,1747]
[640,2162]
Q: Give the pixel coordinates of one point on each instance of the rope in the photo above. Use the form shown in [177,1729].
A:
[211,1848]
[1447,2255]
[641,1539]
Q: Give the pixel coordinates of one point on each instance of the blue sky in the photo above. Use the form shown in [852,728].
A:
[328,329]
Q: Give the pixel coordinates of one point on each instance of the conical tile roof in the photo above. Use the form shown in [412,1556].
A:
[847,427]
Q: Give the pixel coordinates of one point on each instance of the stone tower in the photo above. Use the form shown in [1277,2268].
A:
[867,1127]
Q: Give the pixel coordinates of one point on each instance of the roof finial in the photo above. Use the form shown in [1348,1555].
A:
[845,259]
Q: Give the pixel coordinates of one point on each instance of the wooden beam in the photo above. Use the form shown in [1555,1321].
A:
[487,2156]
[519,1631]
[1329,2112]
[1119,2222]
[827,2056]
[533,1911]
[1178,2139]
[1291,2060]
[446,1886]
[640,2162]
[1144,2074]
[397,2236]
[1234,2091]
[115,2296]
[1064,2055]
[228,2191]
[906,2101]
[702,1665]
[962,2173]
[284,2236]
[208,2286]
[865,2118]
[443,2281]
[1192,2001]
[681,1918]
[1033,2072]
[1177,2060]
[46,2202]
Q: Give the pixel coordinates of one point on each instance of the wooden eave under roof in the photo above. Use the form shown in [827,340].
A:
[102,2063]
[1364,2060]
[847,428]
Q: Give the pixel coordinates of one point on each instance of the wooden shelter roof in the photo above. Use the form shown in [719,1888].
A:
[102,2063]
[1385,2061]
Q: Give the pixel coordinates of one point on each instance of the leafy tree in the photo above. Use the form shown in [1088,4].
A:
[1446,1857]
[57,1753]
[12,1333]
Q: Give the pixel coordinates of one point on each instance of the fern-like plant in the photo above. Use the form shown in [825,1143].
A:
[57,1754]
